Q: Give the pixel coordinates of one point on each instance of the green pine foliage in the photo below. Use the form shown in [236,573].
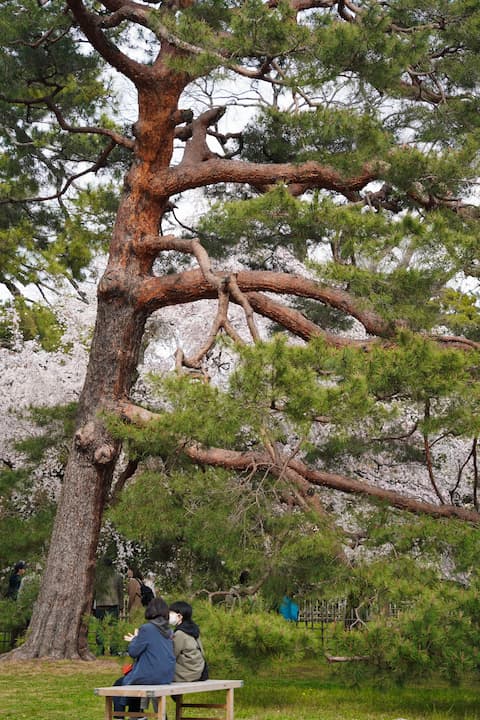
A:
[247,638]
[337,137]
[288,549]
[439,635]
[39,322]
[49,230]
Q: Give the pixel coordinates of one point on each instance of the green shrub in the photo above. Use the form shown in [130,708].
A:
[15,614]
[438,637]
[242,640]
[105,637]
[14,618]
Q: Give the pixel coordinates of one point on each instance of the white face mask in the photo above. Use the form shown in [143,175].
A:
[173,618]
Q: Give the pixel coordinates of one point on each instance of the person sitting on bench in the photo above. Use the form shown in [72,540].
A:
[187,646]
[152,649]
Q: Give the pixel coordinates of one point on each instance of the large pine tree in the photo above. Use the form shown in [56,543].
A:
[362,152]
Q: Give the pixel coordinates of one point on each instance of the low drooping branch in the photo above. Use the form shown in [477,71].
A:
[236,460]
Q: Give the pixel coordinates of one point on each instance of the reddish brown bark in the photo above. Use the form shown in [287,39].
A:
[240,461]
[191,286]
[57,628]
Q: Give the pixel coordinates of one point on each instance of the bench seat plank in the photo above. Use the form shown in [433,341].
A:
[155,691]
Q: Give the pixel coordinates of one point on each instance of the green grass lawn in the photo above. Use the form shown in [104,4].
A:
[64,690]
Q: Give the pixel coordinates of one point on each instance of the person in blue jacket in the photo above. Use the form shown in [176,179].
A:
[289,609]
[152,649]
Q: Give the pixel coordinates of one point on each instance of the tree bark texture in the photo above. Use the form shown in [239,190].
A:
[57,628]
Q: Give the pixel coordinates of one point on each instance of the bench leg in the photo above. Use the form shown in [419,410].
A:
[178,707]
[162,708]
[229,705]
[108,708]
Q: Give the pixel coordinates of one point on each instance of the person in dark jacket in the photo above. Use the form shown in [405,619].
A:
[15,580]
[152,649]
[187,646]
[108,590]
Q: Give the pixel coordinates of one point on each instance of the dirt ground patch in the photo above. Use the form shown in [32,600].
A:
[61,668]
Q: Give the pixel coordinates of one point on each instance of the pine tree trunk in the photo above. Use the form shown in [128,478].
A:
[58,628]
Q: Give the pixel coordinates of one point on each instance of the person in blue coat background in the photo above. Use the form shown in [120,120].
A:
[289,609]
[152,649]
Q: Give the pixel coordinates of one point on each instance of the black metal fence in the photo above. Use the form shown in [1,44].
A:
[7,640]
[319,613]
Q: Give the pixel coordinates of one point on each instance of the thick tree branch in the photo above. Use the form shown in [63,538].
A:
[90,24]
[311,174]
[191,286]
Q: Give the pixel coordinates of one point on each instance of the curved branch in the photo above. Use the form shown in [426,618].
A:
[125,11]
[289,318]
[311,174]
[90,24]
[154,244]
[191,286]
[115,137]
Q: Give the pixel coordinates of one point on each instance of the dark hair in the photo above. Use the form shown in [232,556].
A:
[156,608]
[20,565]
[182,608]
[136,572]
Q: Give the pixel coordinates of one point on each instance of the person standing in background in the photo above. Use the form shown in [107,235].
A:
[134,580]
[108,590]
[15,580]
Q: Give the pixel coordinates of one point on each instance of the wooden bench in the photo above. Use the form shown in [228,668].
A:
[161,692]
